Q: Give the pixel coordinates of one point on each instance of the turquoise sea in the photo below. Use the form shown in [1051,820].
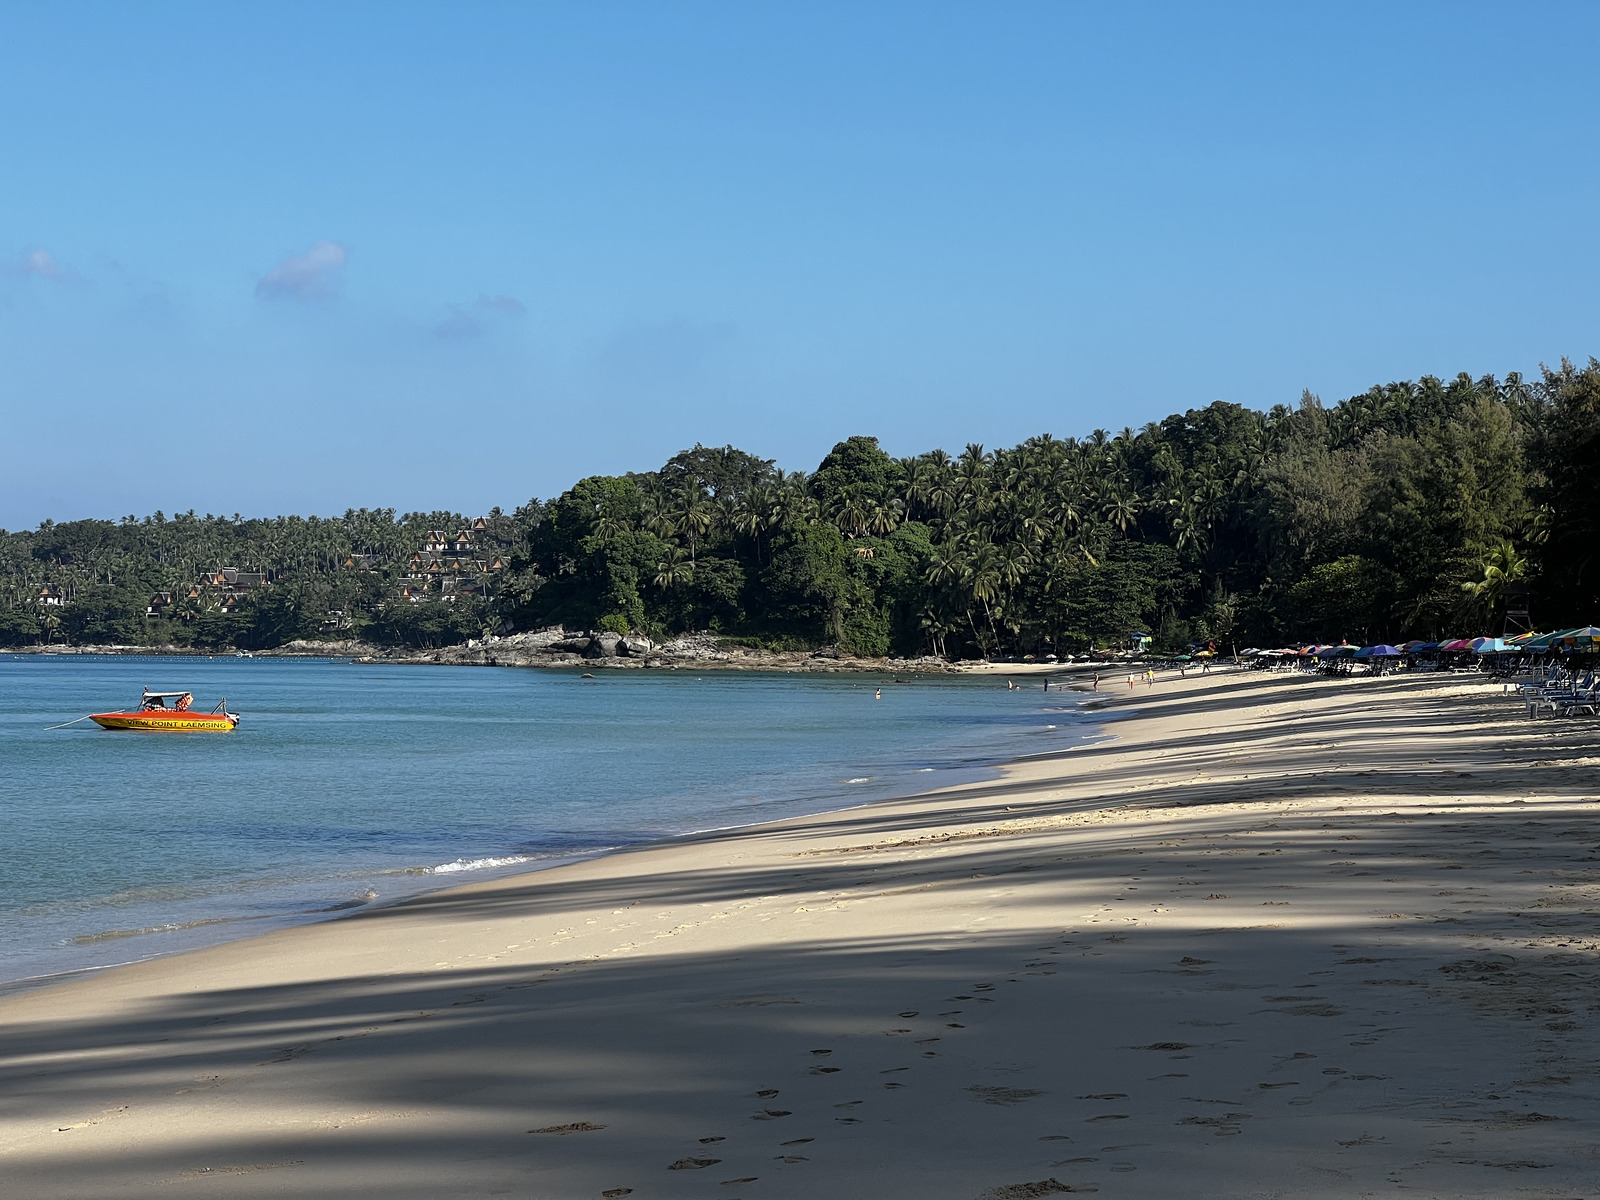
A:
[348,784]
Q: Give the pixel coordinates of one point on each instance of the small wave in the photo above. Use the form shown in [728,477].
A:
[366,897]
[923,771]
[117,935]
[477,864]
[859,779]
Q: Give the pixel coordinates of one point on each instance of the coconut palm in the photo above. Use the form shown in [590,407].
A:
[676,569]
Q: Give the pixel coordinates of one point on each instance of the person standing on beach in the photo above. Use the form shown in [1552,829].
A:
[1097,681]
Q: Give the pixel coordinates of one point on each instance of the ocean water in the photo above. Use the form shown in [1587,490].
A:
[348,784]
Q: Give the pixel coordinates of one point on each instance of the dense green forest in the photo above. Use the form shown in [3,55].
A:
[1413,509]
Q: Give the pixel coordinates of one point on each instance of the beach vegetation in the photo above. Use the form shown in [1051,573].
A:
[1413,509]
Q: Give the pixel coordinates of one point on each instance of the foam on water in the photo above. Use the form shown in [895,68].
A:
[480,864]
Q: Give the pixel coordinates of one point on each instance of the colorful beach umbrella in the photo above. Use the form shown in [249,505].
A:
[1486,645]
[1460,645]
[1545,641]
[1378,651]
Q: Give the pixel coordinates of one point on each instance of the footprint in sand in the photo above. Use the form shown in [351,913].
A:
[992,1094]
[613,1193]
[736,1182]
[693,1164]
[771,1114]
[706,1141]
[767,1093]
[1040,1187]
[574,1127]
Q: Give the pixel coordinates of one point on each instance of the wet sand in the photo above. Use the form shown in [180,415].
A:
[1280,937]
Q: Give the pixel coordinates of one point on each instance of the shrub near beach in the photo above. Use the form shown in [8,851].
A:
[1406,511]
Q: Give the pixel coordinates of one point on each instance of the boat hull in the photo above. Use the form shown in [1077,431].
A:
[167,722]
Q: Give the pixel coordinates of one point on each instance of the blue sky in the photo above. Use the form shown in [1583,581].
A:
[303,257]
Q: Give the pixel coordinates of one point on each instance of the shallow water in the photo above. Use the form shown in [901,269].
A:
[350,783]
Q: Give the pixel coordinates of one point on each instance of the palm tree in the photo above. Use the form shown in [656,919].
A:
[694,517]
[674,570]
[655,514]
[1122,509]
[1501,568]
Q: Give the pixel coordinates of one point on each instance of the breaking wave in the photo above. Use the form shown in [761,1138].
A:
[478,864]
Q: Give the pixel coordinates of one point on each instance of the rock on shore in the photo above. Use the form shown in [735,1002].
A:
[558,647]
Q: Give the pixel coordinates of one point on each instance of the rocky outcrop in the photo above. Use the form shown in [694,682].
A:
[558,647]
[544,639]
[695,647]
[308,648]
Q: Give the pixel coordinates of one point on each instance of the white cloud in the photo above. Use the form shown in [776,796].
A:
[507,304]
[464,319]
[40,264]
[313,275]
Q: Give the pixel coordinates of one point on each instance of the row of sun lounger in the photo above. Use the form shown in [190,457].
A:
[1563,696]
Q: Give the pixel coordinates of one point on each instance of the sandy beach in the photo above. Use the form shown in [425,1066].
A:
[1279,936]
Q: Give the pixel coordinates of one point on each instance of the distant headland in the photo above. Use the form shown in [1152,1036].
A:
[1408,510]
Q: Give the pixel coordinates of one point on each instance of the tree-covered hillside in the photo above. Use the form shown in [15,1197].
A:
[1412,509]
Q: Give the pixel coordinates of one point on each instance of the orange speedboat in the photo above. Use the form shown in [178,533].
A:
[156,715]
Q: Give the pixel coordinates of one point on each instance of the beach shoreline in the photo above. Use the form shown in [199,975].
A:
[92,943]
[491,654]
[1020,956]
